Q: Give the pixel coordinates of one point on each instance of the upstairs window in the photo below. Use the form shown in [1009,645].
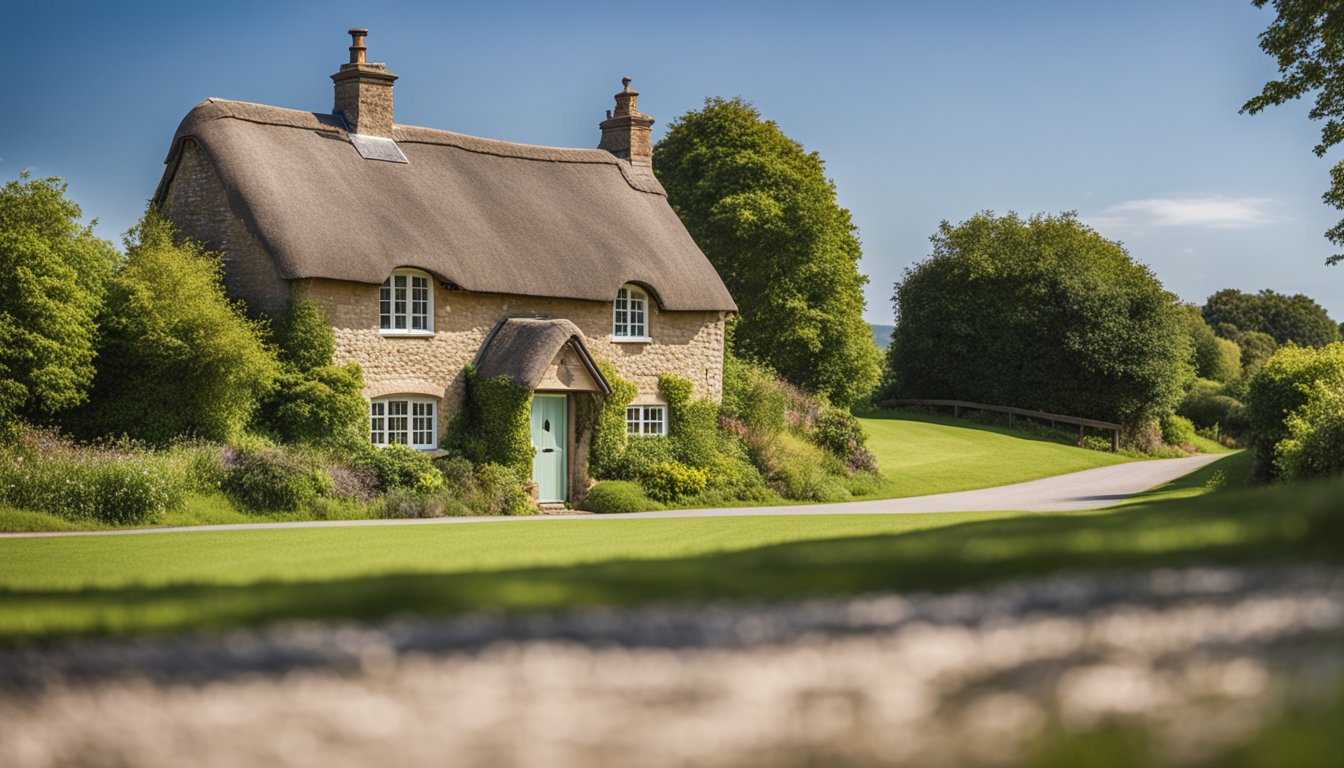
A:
[629,316]
[646,420]
[406,303]
[406,420]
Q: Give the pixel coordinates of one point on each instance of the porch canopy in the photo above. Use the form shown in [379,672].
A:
[540,354]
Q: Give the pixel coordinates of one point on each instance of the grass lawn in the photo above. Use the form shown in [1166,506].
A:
[921,454]
[211,580]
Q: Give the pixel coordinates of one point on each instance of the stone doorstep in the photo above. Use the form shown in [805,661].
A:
[559,509]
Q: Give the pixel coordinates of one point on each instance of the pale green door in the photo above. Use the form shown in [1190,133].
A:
[549,469]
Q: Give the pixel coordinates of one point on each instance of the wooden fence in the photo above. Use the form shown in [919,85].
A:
[1053,418]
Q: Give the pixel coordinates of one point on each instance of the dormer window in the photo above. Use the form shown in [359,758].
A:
[406,304]
[629,315]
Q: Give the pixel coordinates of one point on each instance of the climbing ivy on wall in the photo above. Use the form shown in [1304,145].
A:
[609,439]
[692,425]
[495,423]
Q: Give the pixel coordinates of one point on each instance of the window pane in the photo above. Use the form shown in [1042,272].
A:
[385,304]
[420,303]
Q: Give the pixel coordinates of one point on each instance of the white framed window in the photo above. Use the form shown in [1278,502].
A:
[406,304]
[409,421]
[630,315]
[646,420]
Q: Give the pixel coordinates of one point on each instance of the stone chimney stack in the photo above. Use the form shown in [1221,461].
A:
[626,133]
[364,91]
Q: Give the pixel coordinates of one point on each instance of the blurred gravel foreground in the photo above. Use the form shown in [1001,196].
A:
[1197,660]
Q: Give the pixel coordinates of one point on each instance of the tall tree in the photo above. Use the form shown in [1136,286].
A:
[1307,40]
[1041,313]
[762,209]
[52,277]
[1297,319]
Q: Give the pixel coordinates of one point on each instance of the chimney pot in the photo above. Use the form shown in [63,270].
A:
[357,47]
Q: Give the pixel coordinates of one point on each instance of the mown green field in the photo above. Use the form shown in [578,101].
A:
[920,454]
[130,584]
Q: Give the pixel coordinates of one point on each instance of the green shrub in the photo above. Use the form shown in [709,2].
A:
[307,340]
[118,484]
[1314,445]
[494,424]
[609,436]
[736,479]
[321,405]
[673,480]
[800,470]
[1177,430]
[312,400]
[693,425]
[864,483]
[200,463]
[1282,386]
[1208,405]
[176,356]
[399,467]
[499,491]
[753,396]
[618,497]
[642,452]
[274,480]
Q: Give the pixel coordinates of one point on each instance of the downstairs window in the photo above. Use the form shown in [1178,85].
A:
[409,421]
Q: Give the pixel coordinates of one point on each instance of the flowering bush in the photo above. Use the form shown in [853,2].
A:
[673,480]
[117,483]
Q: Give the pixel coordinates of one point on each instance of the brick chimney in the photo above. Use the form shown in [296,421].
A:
[364,91]
[626,133]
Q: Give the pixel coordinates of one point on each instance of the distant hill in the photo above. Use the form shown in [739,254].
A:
[881,335]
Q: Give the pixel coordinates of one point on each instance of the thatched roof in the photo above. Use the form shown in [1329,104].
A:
[485,215]
[523,348]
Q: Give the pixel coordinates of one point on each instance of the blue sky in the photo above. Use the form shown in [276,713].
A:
[1124,112]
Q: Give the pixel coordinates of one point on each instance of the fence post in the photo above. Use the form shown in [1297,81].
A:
[1115,441]
[1080,434]
[956,411]
[1010,421]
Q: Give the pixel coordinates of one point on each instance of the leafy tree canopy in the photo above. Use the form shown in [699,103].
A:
[52,277]
[1298,319]
[1215,358]
[765,214]
[1039,313]
[1307,40]
[177,357]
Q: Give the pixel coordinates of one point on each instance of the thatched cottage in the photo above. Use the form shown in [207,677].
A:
[432,251]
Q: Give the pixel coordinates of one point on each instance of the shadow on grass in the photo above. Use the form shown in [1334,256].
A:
[1292,524]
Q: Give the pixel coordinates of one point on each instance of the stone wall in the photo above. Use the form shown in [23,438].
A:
[689,344]
[197,204]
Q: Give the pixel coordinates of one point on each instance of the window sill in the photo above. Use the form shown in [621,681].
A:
[630,339]
[405,334]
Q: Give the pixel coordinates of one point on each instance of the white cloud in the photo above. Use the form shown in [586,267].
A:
[1215,212]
